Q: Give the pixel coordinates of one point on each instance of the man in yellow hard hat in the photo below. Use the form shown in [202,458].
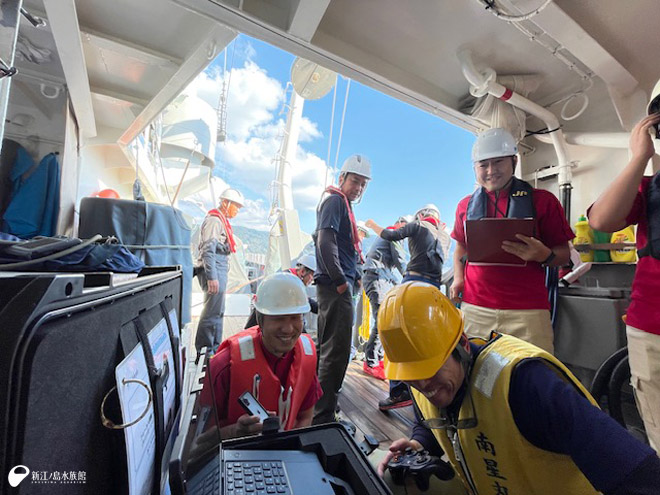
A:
[513,414]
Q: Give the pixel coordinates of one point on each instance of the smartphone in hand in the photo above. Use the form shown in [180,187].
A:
[252,406]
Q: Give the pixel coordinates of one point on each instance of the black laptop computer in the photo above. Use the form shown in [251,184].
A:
[235,471]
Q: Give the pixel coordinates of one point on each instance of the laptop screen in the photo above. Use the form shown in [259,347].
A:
[199,436]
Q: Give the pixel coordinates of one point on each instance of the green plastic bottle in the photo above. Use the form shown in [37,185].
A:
[601,255]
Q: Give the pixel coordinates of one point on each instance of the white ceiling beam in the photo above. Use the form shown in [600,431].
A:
[305,17]
[216,40]
[114,96]
[258,28]
[40,77]
[63,23]
[131,50]
[567,32]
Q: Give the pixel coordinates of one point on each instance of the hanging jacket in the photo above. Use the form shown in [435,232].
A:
[35,197]
[494,453]
[247,361]
[521,204]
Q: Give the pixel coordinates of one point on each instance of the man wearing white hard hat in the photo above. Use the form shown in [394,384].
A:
[216,244]
[338,251]
[425,244]
[273,360]
[304,270]
[634,198]
[508,299]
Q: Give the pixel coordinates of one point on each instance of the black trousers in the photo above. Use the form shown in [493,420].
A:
[335,324]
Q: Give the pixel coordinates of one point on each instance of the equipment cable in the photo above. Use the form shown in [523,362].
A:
[490,5]
[54,256]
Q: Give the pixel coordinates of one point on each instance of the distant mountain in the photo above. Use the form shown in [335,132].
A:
[255,240]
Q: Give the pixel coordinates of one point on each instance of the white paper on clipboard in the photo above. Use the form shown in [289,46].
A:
[161,348]
[140,437]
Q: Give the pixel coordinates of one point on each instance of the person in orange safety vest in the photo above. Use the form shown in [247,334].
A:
[273,360]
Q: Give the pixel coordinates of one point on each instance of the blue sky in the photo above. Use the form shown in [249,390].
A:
[417,158]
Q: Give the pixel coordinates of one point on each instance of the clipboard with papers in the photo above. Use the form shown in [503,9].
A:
[484,239]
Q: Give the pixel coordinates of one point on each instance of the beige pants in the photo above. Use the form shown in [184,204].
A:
[644,355]
[531,325]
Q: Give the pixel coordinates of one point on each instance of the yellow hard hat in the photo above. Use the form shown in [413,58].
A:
[419,328]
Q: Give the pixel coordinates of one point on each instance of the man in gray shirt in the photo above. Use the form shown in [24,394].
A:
[216,243]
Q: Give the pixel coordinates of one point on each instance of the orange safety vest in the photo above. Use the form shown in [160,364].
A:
[250,372]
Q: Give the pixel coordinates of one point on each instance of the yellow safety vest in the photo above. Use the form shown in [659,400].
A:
[496,458]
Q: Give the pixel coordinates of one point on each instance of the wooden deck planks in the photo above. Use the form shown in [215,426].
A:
[358,401]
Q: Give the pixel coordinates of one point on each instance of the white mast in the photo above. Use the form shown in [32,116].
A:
[310,81]
[290,244]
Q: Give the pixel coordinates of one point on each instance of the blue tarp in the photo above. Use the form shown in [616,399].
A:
[155,233]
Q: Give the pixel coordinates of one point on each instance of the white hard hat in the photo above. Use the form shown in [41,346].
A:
[308,261]
[363,227]
[430,207]
[233,195]
[493,143]
[357,164]
[281,294]
[654,102]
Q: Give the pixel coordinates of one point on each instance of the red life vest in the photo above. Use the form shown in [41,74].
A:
[248,361]
[357,243]
[228,230]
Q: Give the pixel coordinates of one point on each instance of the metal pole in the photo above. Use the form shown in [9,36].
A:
[288,218]
[10,11]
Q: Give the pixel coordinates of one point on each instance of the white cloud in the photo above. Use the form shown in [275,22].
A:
[254,215]
[308,131]
[253,97]
[207,86]
[254,133]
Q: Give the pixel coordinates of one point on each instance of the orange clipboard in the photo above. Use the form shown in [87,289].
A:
[484,240]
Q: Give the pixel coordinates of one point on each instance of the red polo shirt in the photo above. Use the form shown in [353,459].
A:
[220,368]
[644,309]
[513,287]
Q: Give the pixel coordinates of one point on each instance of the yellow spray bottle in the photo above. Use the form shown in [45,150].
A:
[625,254]
[583,235]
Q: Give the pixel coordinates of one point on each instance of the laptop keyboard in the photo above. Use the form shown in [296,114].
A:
[207,481]
[256,478]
